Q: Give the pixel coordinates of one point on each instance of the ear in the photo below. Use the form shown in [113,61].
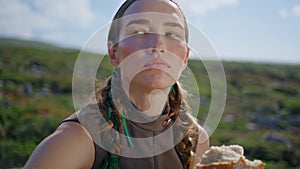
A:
[112,53]
[186,57]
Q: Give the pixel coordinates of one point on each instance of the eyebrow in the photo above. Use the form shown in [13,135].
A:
[138,21]
[146,22]
[174,24]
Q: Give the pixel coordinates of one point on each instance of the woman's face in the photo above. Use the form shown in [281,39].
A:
[152,49]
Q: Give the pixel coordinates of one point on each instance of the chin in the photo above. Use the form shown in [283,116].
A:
[154,79]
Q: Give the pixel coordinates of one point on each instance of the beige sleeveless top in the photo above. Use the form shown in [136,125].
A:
[89,116]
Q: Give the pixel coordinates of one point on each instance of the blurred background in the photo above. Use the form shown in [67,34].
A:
[258,42]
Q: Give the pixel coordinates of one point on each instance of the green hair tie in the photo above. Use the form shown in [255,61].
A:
[171,88]
[111,162]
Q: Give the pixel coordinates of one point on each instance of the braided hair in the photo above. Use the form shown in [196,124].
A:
[176,108]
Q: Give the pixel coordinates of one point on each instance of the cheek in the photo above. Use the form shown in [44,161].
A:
[126,48]
[181,51]
[130,45]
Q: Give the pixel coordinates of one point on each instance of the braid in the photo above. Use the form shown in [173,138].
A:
[178,108]
[113,118]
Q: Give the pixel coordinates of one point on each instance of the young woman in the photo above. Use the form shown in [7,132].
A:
[141,119]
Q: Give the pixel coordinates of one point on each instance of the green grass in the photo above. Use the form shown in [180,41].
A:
[253,90]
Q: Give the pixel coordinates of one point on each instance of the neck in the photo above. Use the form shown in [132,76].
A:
[149,101]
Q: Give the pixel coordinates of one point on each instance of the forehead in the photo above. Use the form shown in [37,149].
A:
[152,19]
[159,6]
[157,12]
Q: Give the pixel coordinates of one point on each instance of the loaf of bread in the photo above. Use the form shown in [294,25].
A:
[227,157]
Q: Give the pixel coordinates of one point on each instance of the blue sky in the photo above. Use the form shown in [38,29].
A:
[240,30]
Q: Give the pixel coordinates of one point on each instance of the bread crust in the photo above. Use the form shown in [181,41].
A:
[242,163]
[213,159]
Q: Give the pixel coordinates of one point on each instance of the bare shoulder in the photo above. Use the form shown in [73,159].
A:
[203,137]
[70,146]
[202,145]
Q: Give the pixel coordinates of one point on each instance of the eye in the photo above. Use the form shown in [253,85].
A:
[170,34]
[138,32]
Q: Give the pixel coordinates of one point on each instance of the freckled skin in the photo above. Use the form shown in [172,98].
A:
[153,45]
[71,145]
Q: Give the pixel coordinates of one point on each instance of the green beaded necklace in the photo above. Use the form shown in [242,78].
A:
[112,161]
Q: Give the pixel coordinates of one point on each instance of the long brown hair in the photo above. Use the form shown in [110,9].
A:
[176,106]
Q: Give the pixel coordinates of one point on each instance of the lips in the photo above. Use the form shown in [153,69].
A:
[157,64]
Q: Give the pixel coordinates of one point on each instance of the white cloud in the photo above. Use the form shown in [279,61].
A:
[283,13]
[40,18]
[75,12]
[204,6]
[17,19]
[293,11]
[296,10]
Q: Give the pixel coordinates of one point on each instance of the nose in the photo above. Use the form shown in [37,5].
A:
[157,44]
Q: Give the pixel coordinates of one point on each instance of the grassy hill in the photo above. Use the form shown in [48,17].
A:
[262,111]
[11,42]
